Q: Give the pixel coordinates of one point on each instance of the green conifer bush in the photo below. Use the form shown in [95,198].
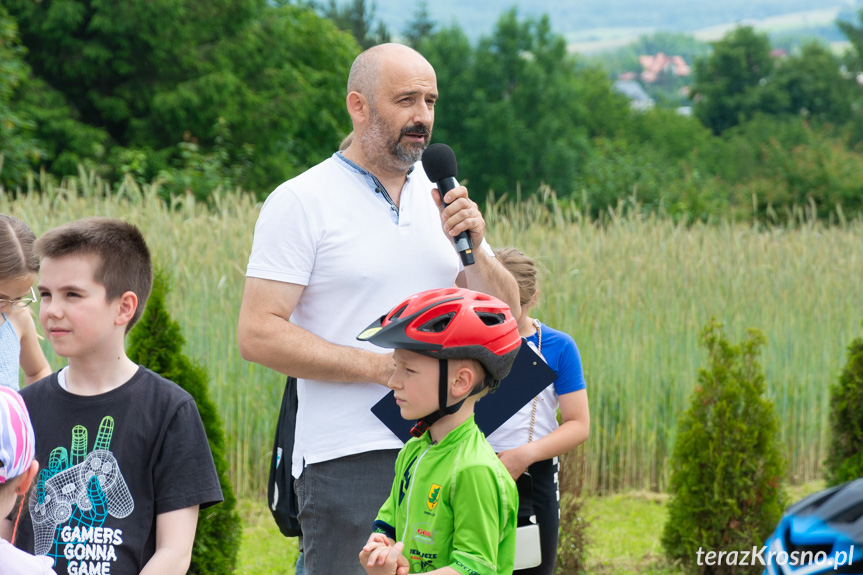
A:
[726,466]
[845,453]
[156,342]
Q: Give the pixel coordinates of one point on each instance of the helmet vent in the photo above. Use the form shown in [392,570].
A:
[814,548]
[438,324]
[850,515]
[491,318]
[398,313]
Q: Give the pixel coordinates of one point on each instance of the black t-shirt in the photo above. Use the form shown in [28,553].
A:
[108,465]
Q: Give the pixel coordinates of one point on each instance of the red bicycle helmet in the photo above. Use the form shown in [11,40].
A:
[451,323]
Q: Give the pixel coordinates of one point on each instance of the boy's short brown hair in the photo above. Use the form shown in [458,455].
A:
[122,253]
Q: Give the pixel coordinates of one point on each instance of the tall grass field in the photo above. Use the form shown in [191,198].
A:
[633,291]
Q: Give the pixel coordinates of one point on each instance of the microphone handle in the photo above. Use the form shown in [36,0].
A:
[463,243]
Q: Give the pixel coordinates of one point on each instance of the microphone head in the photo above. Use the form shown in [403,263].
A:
[439,162]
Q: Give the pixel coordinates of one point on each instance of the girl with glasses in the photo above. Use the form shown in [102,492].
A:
[19,346]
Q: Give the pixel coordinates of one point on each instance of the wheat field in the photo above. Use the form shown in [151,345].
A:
[634,292]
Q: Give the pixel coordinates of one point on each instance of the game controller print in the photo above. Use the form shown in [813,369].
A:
[79,489]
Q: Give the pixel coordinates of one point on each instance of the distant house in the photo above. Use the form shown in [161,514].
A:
[653,66]
[638,98]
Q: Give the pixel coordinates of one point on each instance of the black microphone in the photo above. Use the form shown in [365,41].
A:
[440,167]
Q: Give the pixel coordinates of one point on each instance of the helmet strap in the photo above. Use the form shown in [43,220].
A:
[443,409]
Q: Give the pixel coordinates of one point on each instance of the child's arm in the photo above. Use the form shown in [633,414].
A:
[573,431]
[175,535]
[32,359]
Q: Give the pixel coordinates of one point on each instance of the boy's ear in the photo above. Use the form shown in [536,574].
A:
[128,305]
[462,382]
[26,478]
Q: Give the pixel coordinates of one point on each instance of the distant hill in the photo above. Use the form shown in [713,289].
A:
[584,21]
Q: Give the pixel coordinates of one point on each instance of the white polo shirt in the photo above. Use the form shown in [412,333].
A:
[330,231]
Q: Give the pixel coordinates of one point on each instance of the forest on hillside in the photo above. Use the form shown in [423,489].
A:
[246,94]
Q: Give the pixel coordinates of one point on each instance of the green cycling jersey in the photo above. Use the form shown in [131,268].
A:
[453,504]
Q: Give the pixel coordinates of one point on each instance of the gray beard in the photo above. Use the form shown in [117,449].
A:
[392,155]
[410,155]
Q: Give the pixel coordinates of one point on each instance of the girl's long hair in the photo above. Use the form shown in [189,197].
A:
[17,258]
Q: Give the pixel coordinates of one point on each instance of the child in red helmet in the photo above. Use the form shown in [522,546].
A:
[453,505]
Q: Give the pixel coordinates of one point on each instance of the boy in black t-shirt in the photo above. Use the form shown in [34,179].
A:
[126,461]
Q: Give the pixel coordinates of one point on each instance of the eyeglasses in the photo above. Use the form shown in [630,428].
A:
[21,302]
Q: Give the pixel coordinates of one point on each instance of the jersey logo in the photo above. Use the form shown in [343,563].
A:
[423,533]
[406,481]
[422,562]
[434,494]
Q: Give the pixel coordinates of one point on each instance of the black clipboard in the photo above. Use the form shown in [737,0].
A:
[529,376]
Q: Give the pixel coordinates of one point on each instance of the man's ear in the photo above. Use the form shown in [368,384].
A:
[26,478]
[128,305]
[358,107]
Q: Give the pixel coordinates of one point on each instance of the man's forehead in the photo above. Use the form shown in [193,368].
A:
[410,82]
[413,89]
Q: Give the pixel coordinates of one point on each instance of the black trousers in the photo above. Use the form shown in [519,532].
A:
[546,506]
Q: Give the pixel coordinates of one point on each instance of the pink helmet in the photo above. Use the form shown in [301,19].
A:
[17,440]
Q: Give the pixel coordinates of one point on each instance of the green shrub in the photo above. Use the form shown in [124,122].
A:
[156,343]
[726,466]
[845,456]
[572,542]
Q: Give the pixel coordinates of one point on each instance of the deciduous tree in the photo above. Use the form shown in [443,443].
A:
[736,82]
[150,74]
[18,148]
[816,87]
[518,109]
